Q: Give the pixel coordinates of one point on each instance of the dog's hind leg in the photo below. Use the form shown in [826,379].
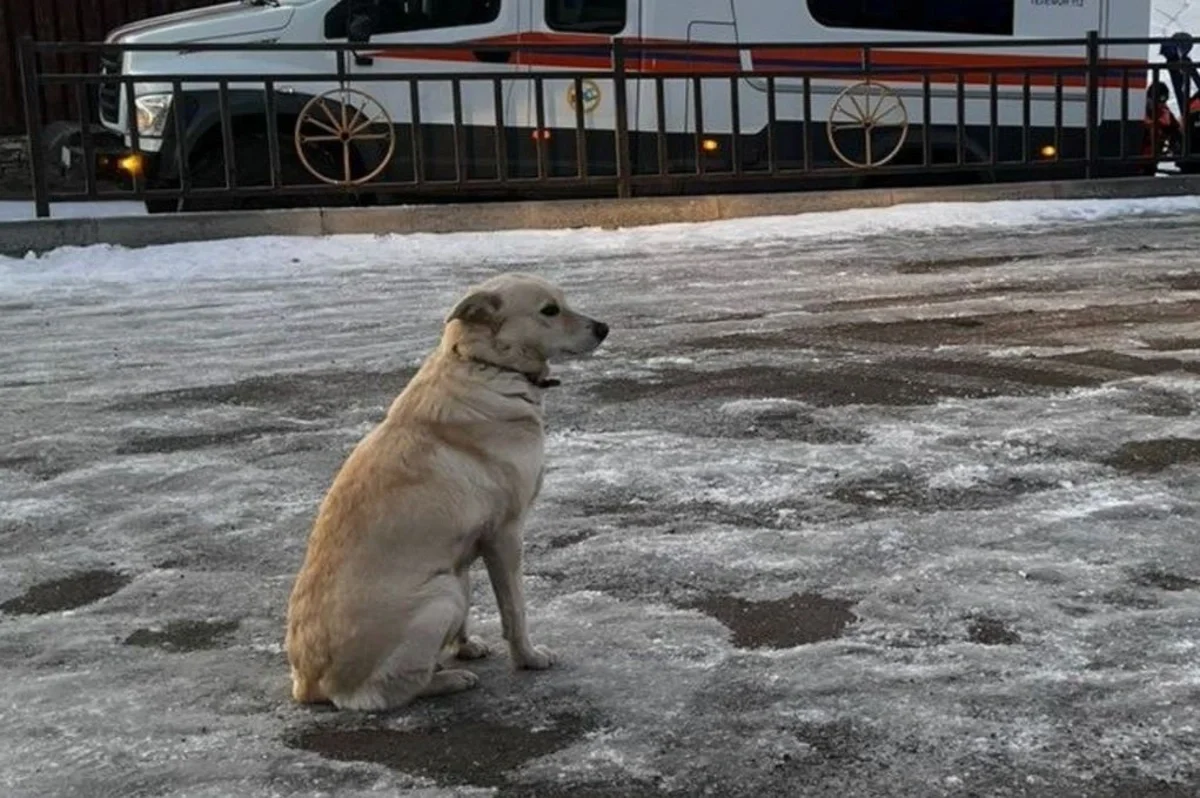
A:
[468,647]
[411,670]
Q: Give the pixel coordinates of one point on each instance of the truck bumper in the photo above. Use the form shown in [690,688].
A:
[112,160]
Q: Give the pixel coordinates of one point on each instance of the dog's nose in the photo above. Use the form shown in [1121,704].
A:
[600,330]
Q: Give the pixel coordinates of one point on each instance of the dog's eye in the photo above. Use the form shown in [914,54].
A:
[550,310]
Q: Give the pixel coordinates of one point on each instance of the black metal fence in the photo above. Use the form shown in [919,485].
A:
[686,117]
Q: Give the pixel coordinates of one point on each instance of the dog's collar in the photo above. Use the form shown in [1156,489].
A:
[536,380]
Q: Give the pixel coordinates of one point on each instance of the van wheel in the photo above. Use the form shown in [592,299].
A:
[973,172]
[162,206]
[252,155]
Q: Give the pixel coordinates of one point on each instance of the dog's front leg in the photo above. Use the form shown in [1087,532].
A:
[502,556]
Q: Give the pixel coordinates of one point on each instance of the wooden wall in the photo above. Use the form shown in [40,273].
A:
[62,21]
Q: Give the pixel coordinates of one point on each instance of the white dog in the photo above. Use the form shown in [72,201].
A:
[448,476]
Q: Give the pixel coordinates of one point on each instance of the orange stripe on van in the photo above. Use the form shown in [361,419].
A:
[672,57]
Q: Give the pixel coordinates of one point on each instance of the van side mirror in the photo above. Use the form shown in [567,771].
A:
[360,21]
[359,28]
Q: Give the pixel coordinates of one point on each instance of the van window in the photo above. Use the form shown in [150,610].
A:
[586,16]
[402,16]
[974,17]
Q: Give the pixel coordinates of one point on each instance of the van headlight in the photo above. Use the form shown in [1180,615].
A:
[152,112]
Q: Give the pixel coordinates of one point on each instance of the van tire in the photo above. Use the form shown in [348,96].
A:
[974,170]
[252,155]
[162,205]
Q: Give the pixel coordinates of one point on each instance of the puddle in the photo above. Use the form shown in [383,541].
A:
[1177,344]
[1076,610]
[676,517]
[568,790]
[996,329]
[304,395]
[44,460]
[570,539]
[991,632]
[783,422]
[897,381]
[934,266]
[1127,364]
[901,489]
[179,636]
[834,740]
[68,593]
[1129,599]
[1185,282]
[1165,581]
[1151,456]
[851,383]
[1149,787]
[470,752]
[38,468]
[167,444]
[798,620]
[1158,403]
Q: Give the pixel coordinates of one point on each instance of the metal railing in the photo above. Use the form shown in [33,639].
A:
[684,117]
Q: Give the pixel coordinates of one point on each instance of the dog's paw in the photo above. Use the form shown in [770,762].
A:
[472,648]
[459,680]
[535,658]
[450,681]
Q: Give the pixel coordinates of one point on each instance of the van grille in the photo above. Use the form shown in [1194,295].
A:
[110,93]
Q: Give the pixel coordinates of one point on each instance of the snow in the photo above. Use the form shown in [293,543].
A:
[275,257]
[19,211]
[891,408]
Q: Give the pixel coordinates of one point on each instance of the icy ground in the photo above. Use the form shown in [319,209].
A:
[881,503]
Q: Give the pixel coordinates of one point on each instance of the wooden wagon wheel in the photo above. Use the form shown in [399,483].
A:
[863,111]
[343,117]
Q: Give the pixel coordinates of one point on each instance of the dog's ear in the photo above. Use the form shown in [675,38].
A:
[478,307]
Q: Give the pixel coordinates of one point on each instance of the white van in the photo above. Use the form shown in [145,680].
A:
[1004,100]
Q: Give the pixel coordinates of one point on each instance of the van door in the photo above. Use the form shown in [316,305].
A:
[1066,21]
[471,23]
[705,106]
[590,27]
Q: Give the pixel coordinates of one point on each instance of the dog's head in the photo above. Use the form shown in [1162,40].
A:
[520,323]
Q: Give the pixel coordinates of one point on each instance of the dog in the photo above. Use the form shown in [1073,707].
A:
[378,610]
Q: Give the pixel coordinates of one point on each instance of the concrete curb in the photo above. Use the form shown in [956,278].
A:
[18,238]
